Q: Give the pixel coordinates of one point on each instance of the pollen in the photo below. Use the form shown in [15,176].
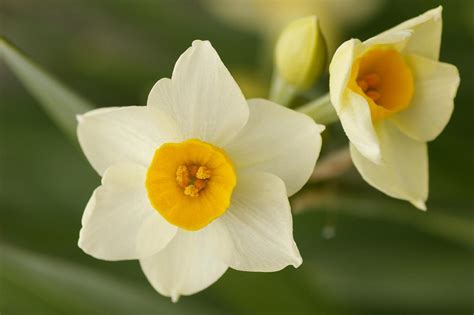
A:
[191,191]
[203,173]
[192,179]
[383,77]
[190,183]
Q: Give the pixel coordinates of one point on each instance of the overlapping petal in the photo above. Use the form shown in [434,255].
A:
[202,96]
[426,38]
[357,124]
[279,141]
[340,71]
[187,265]
[124,135]
[119,222]
[433,102]
[259,226]
[403,172]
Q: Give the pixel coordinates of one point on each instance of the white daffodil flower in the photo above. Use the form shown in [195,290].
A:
[198,180]
[392,95]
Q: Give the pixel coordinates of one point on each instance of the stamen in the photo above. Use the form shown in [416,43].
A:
[372,79]
[191,191]
[200,184]
[192,178]
[363,84]
[369,84]
[203,173]
[193,170]
[373,95]
[182,176]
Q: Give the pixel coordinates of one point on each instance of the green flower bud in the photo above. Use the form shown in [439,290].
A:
[301,53]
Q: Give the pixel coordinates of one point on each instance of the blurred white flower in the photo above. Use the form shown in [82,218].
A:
[270,16]
[198,180]
[392,96]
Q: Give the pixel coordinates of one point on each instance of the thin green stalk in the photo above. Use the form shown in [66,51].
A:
[281,92]
[321,110]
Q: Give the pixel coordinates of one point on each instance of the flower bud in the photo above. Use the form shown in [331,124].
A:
[300,54]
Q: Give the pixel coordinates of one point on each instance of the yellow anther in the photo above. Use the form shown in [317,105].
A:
[192,178]
[373,95]
[193,170]
[200,184]
[372,79]
[363,84]
[191,191]
[182,176]
[203,173]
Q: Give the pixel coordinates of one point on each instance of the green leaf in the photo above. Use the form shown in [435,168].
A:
[34,283]
[438,222]
[59,102]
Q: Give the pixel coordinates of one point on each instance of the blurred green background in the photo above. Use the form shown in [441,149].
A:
[363,252]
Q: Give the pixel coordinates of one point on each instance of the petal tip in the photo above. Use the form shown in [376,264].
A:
[420,204]
[374,155]
[298,261]
[198,42]
[175,297]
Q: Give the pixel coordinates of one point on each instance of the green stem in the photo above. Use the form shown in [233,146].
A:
[281,92]
[321,110]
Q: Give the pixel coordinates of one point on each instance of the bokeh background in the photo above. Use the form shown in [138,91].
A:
[363,252]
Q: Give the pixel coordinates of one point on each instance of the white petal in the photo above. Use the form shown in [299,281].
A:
[277,140]
[404,172]
[119,222]
[397,40]
[260,226]
[352,109]
[187,265]
[124,135]
[436,85]
[161,96]
[202,96]
[357,123]
[426,38]
[340,71]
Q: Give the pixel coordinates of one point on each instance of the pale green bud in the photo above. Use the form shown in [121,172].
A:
[300,54]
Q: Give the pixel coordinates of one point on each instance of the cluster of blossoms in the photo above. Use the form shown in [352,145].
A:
[198,180]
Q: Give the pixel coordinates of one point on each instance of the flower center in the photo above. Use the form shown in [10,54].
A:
[190,183]
[192,179]
[384,79]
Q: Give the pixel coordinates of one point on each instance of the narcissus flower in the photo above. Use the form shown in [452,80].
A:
[198,180]
[392,95]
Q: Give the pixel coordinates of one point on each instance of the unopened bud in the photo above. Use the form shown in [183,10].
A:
[301,54]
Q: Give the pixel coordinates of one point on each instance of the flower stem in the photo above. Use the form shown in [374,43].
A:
[321,110]
[281,92]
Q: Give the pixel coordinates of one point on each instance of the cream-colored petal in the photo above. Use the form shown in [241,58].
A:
[124,135]
[436,85]
[259,225]
[403,173]
[187,265]
[340,71]
[352,109]
[426,38]
[396,39]
[161,96]
[277,140]
[119,222]
[202,96]
[357,124]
